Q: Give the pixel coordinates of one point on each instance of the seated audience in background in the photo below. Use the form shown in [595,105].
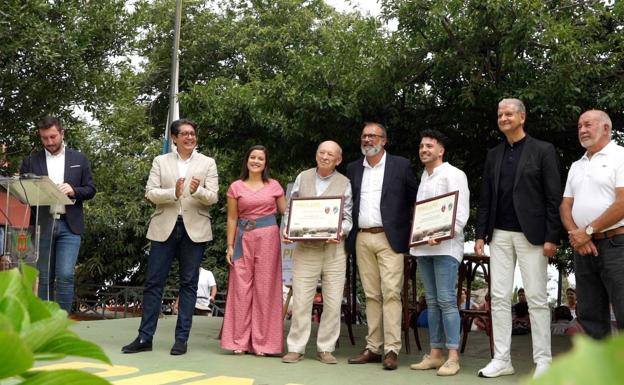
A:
[562,320]
[479,323]
[571,300]
[206,292]
[422,321]
[521,323]
[463,303]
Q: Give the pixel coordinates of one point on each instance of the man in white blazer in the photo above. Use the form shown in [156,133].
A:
[182,184]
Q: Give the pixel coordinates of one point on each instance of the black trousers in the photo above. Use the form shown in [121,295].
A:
[599,284]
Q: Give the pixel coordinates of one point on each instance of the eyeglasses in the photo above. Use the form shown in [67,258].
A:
[370,136]
[186,134]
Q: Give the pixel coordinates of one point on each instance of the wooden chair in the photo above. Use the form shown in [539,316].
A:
[410,301]
[468,269]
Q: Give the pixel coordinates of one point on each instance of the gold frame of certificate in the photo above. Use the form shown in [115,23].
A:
[311,219]
[434,218]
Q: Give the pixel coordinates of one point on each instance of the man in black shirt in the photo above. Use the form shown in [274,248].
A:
[518,216]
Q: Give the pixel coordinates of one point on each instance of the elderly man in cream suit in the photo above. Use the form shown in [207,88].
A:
[182,184]
[314,260]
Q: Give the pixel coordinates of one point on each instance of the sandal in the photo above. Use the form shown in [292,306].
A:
[260,354]
[238,352]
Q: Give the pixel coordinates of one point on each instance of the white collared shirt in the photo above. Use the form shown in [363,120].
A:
[370,194]
[592,183]
[55,164]
[445,179]
[183,166]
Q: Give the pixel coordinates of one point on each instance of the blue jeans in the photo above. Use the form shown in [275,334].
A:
[439,276]
[58,252]
[598,284]
[189,255]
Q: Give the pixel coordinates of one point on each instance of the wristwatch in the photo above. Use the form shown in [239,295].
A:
[589,230]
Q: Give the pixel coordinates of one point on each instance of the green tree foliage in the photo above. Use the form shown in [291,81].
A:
[54,56]
[287,74]
[122,150]
[559,57]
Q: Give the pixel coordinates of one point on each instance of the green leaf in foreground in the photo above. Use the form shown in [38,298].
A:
[15,357]
[70,344]
[590,362]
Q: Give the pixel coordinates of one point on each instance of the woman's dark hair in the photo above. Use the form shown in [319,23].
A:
[244,175]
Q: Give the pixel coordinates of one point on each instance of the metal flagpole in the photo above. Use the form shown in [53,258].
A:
[174,106]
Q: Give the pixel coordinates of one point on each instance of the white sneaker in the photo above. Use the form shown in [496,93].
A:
[497,368]
[540,368]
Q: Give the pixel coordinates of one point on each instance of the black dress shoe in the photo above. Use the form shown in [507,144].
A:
[137,346]
[179,348]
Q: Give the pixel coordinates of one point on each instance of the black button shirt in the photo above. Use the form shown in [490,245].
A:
[506,218]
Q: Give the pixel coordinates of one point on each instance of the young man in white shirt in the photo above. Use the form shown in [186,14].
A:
[439,260]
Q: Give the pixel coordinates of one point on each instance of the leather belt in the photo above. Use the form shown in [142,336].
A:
[608,233]
[372,230]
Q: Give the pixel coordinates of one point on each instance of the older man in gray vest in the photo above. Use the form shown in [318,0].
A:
[314,260]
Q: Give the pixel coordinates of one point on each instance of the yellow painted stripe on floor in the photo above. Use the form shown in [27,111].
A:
[223,380]
[160,378]
[107,370]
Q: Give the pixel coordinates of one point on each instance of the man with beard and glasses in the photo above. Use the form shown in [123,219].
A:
[384,190]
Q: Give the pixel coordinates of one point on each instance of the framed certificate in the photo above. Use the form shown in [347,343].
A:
[434,218]
[318,218]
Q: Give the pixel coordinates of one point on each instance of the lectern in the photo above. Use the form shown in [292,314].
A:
[21,236]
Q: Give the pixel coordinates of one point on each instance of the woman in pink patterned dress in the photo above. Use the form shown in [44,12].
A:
[253,314]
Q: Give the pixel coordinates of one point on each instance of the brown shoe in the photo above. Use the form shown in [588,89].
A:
[391,361]
[326,358]
[292,357]
[365,357]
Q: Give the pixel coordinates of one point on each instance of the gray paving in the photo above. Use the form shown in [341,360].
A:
[207,363]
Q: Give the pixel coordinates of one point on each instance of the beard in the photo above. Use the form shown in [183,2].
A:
[371,150]
[54,148]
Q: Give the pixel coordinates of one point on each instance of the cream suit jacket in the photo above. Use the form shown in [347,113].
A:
[160,190]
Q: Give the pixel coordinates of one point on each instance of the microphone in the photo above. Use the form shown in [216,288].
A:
[30,175]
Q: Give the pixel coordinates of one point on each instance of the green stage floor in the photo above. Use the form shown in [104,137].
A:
[206,364]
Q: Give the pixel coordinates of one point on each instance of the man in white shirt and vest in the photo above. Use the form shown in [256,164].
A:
[314,260]
[592,211]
